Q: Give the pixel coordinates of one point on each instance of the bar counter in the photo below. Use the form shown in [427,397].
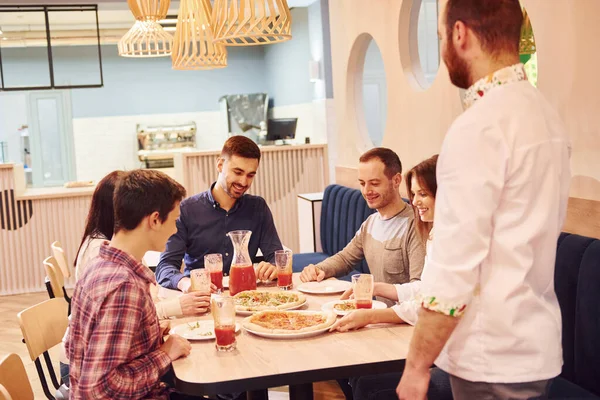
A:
[32,218]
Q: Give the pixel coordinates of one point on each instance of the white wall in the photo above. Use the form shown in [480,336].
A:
[147,91]
[103,144]
[428,41]
[13,114]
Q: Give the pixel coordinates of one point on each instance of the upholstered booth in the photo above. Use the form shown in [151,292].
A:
[577,284]
[342,212]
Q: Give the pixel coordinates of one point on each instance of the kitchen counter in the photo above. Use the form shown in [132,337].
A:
[31,219]
[22,192]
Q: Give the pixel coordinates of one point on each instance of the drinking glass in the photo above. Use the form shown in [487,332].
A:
[362,285]
[223,312]
[283,262]
[200,280]
[214,264]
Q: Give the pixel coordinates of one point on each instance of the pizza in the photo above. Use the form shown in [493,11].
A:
[345,306]
[260,300]
[289,322]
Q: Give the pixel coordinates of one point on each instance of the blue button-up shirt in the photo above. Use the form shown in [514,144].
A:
[202,229]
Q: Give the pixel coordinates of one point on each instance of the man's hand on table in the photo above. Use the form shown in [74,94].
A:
[176,347]
[165,326]
[185,285]
[266,271]
[311,273]
[194,303]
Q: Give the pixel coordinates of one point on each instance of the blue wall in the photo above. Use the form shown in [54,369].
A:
[134,86]
[149,86]
[139,85]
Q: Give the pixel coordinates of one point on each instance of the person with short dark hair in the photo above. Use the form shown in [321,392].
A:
[207,217]
[489,315]
[421,186]
[115,342]
[387,239]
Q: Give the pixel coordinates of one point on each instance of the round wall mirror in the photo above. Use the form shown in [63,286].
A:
[374,94]
[427,41]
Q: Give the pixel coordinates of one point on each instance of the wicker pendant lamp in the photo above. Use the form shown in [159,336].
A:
[193,47]
[147,38]
[251,22]
[527,43]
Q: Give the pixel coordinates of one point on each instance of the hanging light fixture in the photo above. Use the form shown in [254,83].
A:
[193,47]
[147,38]
[251,22]
[527,43]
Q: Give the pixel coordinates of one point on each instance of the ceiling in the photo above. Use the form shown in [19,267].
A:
[117,3]
[24,29]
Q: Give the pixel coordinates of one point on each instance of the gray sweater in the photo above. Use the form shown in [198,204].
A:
[392,248]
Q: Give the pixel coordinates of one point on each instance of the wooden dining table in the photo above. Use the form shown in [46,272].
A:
[259,363]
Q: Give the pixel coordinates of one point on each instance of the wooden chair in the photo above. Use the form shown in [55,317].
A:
[61,259]
[14,383]
[4,395]
[43,327]
[56,280]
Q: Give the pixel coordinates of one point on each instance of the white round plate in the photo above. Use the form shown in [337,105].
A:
[377,305]
[204,331]
[329,286]
[291,335]
[246,313]
[288,335]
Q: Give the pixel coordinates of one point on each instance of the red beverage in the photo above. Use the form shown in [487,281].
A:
[284,280]
[241,278]
[364,304]
[216,277]
[225,335]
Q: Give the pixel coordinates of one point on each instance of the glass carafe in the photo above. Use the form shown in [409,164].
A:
[241,275]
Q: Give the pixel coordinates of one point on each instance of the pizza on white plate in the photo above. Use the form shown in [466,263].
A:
[260,300]
[289,322]
[345,306]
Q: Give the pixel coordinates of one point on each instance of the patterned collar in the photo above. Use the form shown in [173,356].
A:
[512,74]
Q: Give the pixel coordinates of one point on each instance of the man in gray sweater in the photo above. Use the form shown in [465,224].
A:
[387,239]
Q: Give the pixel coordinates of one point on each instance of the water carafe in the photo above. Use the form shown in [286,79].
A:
[241,275]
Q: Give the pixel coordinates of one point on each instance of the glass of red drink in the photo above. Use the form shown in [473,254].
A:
[223,312]
[214,264]
[362,286]
[200,280]
[283,262]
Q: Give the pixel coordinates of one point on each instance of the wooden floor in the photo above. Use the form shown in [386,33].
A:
[10,342]
[10,334]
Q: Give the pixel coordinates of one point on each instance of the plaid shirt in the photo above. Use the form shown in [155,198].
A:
[114,339]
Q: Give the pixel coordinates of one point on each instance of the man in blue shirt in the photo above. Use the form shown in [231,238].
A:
[207,217]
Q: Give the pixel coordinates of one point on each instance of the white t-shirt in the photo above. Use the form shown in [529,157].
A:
[409,300]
